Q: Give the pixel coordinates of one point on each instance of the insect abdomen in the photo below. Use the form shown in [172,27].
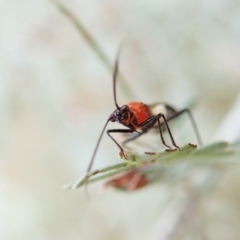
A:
[162,108]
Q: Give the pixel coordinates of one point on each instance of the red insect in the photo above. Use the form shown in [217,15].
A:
[139,118]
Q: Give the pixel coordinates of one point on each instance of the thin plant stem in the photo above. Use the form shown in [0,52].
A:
[93,44]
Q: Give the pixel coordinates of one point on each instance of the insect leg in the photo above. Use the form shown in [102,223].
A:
[194,125]
[119,131]
[149,123]
[132,138]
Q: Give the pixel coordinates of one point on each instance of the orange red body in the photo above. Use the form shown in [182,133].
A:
[140,111]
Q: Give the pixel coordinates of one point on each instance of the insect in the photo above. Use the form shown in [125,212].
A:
[139,118]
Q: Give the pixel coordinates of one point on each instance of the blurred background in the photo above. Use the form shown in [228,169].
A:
[56,94]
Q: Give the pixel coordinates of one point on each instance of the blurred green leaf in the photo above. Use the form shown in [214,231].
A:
[162,165]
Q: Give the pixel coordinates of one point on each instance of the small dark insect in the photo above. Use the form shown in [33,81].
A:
[139,118]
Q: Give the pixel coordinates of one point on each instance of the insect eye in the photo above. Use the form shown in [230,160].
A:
[124,109]
[125,114]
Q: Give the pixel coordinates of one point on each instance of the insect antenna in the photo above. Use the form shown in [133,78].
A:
[115,79]
[96,148]
[110,118]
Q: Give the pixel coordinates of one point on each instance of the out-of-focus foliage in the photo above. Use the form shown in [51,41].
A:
[169,166]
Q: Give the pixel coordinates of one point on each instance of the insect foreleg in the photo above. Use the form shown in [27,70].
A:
[119,131]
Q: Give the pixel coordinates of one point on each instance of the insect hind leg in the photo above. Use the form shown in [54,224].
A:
[194,125]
